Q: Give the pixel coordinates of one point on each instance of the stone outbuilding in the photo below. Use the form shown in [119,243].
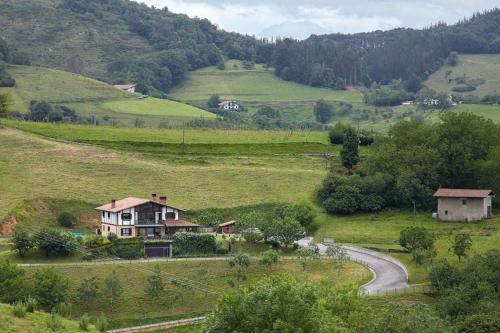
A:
[464,204]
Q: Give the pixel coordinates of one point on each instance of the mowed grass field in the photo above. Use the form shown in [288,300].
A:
[487,111]
[201,285]
[255,85]
[470,66]
[157,107]
[34,167]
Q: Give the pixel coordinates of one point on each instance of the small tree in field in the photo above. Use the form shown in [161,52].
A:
[241,261]
[154,286]
[350,149]
[113,287]
[213,101]
[337,254]
[89,290]
[269,258]
[461,244]
[305,254]
[66,219]
[22,242]
[323,112]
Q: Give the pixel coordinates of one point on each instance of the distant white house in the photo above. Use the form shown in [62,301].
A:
[229,106]
[126,87]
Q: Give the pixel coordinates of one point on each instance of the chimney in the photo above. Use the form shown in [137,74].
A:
[113,203]
[153,196]
[163,199]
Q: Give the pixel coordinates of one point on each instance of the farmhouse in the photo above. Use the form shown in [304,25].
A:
[126,87]
[229,106]
[137,217]
[464,204]
[227,227]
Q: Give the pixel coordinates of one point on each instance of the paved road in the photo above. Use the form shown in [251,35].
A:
[389,273]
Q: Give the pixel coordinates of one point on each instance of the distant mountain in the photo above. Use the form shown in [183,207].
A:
[297,30]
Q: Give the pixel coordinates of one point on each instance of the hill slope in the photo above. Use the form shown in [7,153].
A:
[91,97]
[33,322]
[482,70]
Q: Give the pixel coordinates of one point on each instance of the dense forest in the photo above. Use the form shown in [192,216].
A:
[121,41]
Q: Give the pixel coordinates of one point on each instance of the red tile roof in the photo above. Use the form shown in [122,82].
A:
[462,193]
[129,203]
[179,224]
[225,224]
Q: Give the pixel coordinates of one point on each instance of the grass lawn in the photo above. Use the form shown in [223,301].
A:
[472,66]
[157,107]
[33,322]
[32,167]
[382,230]
[207,280]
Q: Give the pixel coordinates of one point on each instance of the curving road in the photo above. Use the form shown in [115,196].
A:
[389,273]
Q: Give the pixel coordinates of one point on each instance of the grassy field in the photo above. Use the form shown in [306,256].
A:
[382,231]
[33,322]
[32,167]
[157,107]
[90,98]
[470,66]
[207,280]
[487,111]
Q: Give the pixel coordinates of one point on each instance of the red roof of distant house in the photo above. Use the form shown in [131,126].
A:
[179,224]
[125,86]
[463,193]
[131,202]
[228,223]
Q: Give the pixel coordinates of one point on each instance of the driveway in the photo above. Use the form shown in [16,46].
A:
[389,273]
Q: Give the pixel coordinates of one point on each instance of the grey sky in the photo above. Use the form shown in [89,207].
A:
[300,18]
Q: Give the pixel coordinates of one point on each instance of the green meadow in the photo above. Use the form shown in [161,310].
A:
[157,107]
[469,66]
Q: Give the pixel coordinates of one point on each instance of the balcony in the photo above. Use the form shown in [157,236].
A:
[149,222]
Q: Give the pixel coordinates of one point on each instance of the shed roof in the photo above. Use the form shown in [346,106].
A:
[228,223]
[179,224]
[463,193]
[129,203]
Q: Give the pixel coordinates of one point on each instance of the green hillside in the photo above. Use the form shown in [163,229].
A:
[482,70]
[33,322]
[257,87]
[90,97]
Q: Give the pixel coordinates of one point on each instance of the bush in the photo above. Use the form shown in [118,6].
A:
[112,237]
[479,323]
[64,309]
[50,288]
[102,323]
[55,243]
[252,236]
[19,310]
[84,322]
[31,304]
[54,322]
[67,220]
[413,238]
[127,248]
[194,243]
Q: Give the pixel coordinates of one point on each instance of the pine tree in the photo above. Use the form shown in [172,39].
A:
[350,150]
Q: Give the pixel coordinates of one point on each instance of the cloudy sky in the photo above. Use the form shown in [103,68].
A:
[299,18]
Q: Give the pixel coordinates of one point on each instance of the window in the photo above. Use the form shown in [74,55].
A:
[109,215]
[445,212]
[464,202]
[103,214]
[170,215]
[126,216]
[126,231]
[109,229]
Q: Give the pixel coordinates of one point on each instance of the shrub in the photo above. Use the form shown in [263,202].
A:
[269,258]
[479,323]
[12,282]
[193,243]
[66,219]
[413,238]
[252,236]
[84,322]
[49,287]
[112,237]
[64,309]
[102,323]
[31,304]
[127,248]
[19,310]
[55,243]
[54,322]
